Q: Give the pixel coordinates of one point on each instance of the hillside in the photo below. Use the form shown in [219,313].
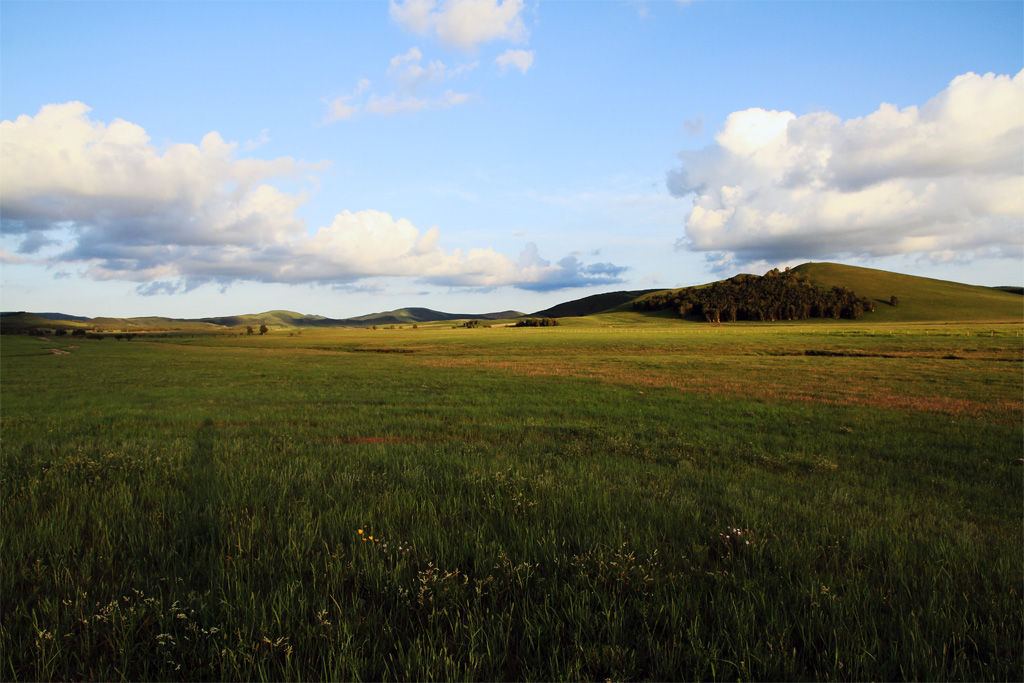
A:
[597,303]
[273,319]
[16,322]
[62,316]
[408,316]
[921,299]
[20,320]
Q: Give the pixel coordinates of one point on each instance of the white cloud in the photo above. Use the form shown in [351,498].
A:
[465,24]
[347,106]
[942,178]
[411,74]
[176,218]
[60,167]
[410,77]
[518,59]
[263,139]
[395,103]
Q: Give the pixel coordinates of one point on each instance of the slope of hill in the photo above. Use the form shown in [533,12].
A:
[407,316]
[20,320]
[15,322]
[64,316]
[268,318]
[596,303]
[920,299]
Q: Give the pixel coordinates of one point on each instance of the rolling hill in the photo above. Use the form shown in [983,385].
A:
[597,303]
[276,320]
[408,316]
[920,299]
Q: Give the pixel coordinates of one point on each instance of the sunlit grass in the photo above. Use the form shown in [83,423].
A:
[543,504]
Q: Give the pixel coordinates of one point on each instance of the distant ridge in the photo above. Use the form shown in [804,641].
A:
[407,316]
[919,299]
[21,320]
[62,316]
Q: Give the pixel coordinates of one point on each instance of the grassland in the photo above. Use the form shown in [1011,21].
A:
[543,504]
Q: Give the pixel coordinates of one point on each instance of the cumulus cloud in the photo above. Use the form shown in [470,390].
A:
[174,219]
[464,24]
[517,59]
[124,196]
[940,179]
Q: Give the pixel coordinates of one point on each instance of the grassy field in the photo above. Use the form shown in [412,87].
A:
[619,497]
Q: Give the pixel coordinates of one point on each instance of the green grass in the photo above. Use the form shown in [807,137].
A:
[545,504]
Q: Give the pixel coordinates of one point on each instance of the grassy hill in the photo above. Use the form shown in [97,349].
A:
[18,321]
[272,319]
[64,316]
[408,316]
[597,303]
[921,299]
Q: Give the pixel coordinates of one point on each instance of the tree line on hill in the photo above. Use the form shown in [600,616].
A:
[537,322]
[777,295]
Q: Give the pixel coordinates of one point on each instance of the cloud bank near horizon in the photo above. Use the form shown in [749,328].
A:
[944,180]
[79,191]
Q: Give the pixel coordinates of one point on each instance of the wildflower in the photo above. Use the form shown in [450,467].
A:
[360,532]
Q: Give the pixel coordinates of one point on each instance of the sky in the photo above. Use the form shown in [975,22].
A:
[193,159]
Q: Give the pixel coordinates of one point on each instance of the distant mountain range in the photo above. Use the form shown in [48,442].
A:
[921,299]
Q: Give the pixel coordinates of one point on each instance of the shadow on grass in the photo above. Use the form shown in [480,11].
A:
[199,528]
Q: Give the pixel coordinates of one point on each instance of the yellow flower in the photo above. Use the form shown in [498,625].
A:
[360,532]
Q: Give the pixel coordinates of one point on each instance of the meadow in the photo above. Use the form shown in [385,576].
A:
[619,497]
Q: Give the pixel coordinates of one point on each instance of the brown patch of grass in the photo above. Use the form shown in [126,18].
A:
[840,386]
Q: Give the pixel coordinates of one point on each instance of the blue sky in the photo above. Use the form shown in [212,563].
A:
[197,158]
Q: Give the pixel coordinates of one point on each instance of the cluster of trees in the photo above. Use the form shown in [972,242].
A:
[537,322]
[777,295]
[60,332]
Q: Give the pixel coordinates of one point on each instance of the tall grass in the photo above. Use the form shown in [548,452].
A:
[543,504]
